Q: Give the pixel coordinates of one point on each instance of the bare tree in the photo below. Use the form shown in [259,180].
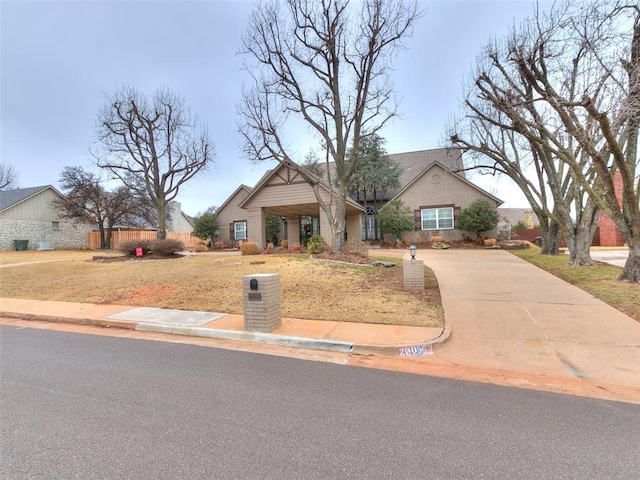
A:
[8,177]
[87,201]
[599,108]
[570,85]
[508,132]
[154,146]
[329,65]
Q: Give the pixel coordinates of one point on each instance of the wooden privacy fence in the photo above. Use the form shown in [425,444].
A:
[119,237]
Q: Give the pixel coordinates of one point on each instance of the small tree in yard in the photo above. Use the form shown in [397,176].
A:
[395,217]
[206,226]
[478,217]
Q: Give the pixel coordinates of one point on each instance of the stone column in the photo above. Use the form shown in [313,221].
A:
[414,275]
[262,302]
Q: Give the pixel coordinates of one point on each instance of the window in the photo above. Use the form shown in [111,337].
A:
[240,230]
[55,226]
[437,218]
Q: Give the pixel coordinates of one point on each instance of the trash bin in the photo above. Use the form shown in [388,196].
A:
[21,245]
[538,241]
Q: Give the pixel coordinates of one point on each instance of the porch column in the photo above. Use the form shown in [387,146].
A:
[354,227]
[256,227]
[293,230]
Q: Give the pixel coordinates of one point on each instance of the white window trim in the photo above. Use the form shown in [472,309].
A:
[235,230]
[437,219]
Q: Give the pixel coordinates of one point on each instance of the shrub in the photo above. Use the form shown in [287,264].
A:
[270,248]
[249,248]
[437,238]
[519,226]
[201,247]
[480,216]
[296,248]
[316,244]
[206,226]
[220,245]
[168,246]
[129,248]
[285,243]
[490,242]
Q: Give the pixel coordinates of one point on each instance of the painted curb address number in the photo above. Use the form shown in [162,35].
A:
[415,350]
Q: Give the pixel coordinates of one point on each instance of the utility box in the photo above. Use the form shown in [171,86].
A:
[262,302]
[413,273]
[21,245]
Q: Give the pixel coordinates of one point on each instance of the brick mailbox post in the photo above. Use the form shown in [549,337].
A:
[262,303]
[413,272]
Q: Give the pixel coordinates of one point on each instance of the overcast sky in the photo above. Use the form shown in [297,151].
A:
[59,59]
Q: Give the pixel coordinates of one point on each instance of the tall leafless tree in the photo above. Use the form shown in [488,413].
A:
[508,132]
[327,64]
[573,91]
[8,177]
[154,146]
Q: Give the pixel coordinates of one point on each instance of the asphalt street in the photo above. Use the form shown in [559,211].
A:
[83,406]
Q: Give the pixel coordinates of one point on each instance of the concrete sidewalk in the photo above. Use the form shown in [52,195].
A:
[313,334]
[502,314]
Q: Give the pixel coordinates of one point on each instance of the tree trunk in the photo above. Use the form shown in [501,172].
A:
[631,270]
[103,240]
[161,233]
[550,233]
[109,237]
[339,223]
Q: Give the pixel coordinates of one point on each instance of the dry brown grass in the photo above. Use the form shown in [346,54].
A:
[311,289]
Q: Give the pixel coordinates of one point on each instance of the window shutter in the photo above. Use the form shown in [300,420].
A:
[456,212]
[232,232]
[417,220]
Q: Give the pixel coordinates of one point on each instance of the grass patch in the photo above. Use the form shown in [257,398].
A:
[311,289]
[600,279]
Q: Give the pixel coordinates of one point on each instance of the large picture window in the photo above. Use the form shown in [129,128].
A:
[437,218]
[240,230]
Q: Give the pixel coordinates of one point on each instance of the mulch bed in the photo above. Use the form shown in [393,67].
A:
[133,258]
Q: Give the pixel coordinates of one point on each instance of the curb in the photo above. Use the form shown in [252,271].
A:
[244,336]
[281,340]
[128,325]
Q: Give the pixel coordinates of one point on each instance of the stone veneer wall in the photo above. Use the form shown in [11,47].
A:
[68,235]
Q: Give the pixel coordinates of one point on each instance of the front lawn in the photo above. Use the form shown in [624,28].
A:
[311,289]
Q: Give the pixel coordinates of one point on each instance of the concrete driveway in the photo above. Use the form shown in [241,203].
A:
[617,257]
[507,314]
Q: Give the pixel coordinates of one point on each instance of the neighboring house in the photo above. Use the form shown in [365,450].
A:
[511,216]
[428,187]
[179,221]
[28,214]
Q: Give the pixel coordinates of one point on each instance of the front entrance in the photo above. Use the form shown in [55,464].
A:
[309,226]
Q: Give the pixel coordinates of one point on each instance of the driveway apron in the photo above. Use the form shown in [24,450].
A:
[508,314]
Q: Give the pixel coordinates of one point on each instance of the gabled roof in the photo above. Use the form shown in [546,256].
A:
[10,198]
[237,190]
[414,163]
[459,177]
[291,164]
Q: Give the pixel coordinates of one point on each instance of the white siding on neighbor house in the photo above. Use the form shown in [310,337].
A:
[35,220]
[37,207]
